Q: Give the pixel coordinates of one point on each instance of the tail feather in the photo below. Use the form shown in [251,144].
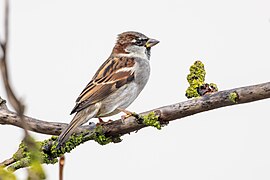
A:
[66,133]
[79,119]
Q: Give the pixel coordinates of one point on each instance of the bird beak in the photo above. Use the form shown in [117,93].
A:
[151,43]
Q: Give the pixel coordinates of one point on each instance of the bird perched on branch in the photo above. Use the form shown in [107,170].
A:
[116,84]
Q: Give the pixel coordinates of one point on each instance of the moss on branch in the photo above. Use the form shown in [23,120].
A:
[48,153]
[197,86]
[233,97]
[151,119]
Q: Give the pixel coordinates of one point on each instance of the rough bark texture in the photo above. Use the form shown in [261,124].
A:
[110,132]
[165,113]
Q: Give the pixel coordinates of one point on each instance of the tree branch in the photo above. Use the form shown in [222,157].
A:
[110,132]
[166,113]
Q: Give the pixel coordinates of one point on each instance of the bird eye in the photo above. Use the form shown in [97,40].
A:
[140,42]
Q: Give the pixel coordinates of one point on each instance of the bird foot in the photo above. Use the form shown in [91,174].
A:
[127,115]
[101,122]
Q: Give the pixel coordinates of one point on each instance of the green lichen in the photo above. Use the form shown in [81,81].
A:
[151,119]
[47,151]
[97,135]
[102,139]
[21,152]
[233,96]
[197,86]
[50,156]
[195,79]
[29,155]
[6,174]
[213,86]
[73,141]
[24,162]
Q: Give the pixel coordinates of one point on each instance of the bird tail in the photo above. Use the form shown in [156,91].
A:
[79,119]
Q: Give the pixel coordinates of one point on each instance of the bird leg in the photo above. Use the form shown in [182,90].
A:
[101,122]
[128,114]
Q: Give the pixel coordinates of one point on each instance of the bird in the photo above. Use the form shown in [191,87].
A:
[116,84]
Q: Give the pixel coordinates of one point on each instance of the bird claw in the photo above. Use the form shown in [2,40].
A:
[101,122]
[123,117]
[129,114]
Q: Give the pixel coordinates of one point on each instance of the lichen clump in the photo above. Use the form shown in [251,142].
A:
[73,141]
[29,156]
[151,119]
[97,135]
[100,137]
[195,79]
[213,86]
[197,86]
[233,97]
[49,151]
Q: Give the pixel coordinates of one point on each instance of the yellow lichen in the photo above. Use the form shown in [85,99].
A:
[151,119]
[195,79]
[233,97]
[197,86]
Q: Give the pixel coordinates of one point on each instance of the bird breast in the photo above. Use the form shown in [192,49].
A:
[141,72]
[125,95]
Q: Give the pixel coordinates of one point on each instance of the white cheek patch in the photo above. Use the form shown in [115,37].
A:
[136,51]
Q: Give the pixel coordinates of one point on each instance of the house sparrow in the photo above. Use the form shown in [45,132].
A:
[116,84]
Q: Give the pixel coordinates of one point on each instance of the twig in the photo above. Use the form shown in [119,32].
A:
[6,20]
[16,104]
[61,167]
[7,162]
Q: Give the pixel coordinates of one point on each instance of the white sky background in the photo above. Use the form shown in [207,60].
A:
[57,45]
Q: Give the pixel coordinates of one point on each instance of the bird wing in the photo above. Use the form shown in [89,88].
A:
[113,74]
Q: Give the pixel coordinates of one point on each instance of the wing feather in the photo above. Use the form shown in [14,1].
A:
[112,75]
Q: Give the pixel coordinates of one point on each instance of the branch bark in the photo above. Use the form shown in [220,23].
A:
[166,113]
[110,132]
